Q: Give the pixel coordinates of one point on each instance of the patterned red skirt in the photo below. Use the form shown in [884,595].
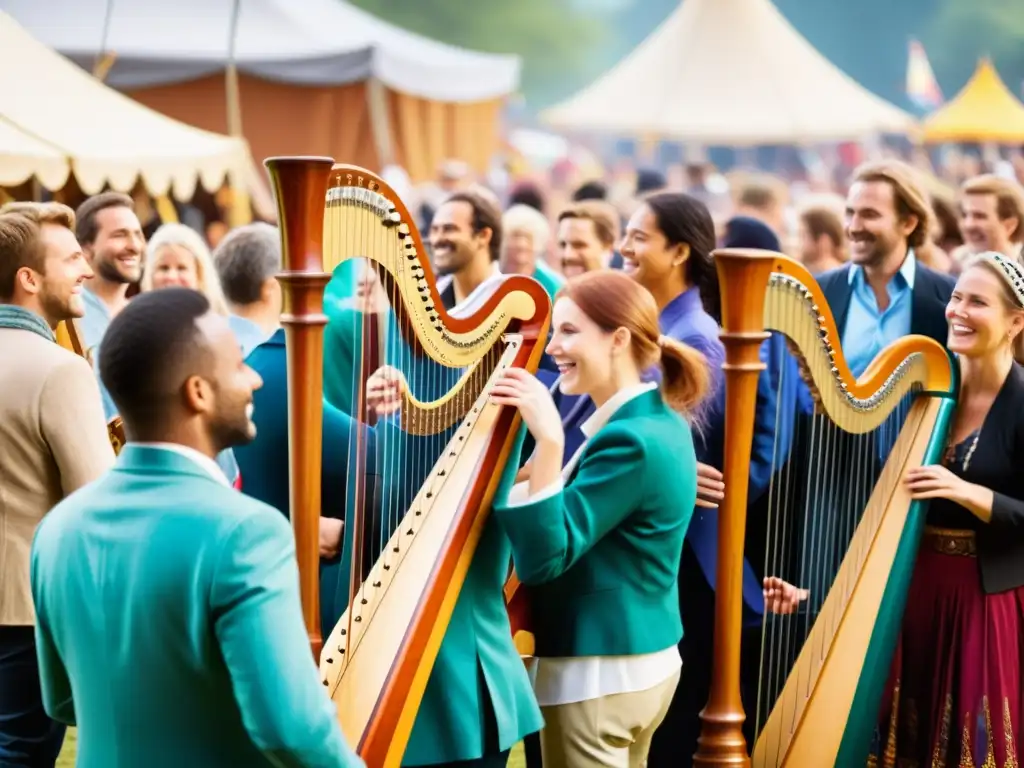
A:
[954,698]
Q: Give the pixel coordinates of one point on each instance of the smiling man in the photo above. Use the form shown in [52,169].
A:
[53,440]
[196,584]
[465,243]
[992,215]
[112,240]
[885,293]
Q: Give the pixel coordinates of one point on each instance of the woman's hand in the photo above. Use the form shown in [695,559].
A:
[710,486]
[384,390]
[781,597]
[522,390]
[937,482]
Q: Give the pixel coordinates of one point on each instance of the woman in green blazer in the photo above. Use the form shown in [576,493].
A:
[598,544]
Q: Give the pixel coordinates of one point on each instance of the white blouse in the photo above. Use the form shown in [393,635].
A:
[570,680]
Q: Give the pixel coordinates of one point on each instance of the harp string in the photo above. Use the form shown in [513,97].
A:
[390,466]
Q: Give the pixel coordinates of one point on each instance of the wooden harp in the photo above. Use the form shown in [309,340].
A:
[410,536]
[70,336]
[836,519]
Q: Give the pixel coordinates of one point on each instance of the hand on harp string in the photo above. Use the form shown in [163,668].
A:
[522,390]
[781,597]
[384,390]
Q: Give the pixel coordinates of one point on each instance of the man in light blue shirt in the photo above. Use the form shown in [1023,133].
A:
[885,292]
[871,324]
[111,237]
[248,260]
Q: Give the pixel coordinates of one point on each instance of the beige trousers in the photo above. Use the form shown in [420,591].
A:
[613,731]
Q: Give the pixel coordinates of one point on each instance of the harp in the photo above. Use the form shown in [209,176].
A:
[837,520]
[421,478]
[70,336]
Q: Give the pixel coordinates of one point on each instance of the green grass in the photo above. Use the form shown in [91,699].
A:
[67,755]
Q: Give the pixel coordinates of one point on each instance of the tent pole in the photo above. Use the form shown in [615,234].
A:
[380,121]
[104,58]
[240,210]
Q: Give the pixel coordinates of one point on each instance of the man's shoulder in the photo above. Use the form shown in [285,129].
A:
[45,353]
[941,282]
[202,506]
[29,363]
[830,277]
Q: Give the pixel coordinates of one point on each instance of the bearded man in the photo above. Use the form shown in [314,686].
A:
[884,292]
[53,440]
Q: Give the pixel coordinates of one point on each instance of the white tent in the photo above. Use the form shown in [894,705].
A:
[315,77]
[312,42]
[56,119]
[728,72]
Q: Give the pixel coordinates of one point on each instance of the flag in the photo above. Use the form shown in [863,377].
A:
[922,88]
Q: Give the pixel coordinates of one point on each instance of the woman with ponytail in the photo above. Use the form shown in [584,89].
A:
[598,543]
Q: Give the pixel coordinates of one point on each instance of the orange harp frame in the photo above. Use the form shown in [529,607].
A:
[377,660]
[824,709]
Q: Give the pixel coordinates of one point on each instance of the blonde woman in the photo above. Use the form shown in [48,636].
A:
[177,257]
[524,247]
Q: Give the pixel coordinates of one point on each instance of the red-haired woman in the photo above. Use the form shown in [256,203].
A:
[598,543]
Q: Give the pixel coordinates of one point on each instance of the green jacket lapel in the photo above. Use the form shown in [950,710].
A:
[646,404]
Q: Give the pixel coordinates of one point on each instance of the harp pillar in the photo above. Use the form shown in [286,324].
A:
[721,742]
[300,190]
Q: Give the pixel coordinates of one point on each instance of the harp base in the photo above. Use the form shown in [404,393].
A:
[721,741]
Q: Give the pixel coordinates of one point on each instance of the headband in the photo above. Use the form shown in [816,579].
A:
[1010,270]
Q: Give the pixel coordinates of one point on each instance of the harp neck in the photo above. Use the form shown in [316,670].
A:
[359,200]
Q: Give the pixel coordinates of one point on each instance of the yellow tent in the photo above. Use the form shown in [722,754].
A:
[985,110]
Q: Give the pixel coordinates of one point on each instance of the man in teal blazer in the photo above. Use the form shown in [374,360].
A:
[169,624]
[264,467]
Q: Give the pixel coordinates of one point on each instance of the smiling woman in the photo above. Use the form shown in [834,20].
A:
[599,543]
[177,256]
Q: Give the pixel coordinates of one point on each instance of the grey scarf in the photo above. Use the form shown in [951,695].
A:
[12,316]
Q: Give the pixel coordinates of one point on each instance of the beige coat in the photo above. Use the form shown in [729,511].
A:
[53,440]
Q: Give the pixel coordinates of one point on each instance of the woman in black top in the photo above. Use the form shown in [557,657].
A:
[955,696]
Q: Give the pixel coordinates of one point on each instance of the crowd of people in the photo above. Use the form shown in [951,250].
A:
[151,599]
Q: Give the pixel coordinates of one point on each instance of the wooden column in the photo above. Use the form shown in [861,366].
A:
[300,190]
[743,276]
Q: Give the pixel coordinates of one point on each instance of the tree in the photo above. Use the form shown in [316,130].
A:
[555,38]
[961,33]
